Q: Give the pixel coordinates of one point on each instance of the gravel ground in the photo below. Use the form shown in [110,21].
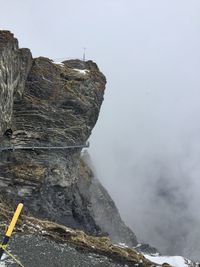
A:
[36,251]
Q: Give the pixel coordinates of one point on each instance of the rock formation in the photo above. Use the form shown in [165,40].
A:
[44,108]
[15,64]
[44,104]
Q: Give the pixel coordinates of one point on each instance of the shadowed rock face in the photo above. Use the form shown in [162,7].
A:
[59,106]
[107,216]
[47,104]
[15,64]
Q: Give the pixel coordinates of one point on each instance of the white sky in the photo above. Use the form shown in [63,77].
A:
[148,133]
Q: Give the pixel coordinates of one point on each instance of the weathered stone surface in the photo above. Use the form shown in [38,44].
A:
[14,67]
[47,104]
[59,107]
[51,104]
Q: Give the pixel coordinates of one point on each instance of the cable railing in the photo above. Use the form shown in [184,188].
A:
[33,147]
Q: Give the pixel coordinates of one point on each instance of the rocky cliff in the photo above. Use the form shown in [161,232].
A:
[45,107]
[47,113]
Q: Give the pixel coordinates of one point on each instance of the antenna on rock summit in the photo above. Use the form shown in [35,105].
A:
[84,48]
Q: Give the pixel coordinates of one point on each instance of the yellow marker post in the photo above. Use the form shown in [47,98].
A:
[11,227]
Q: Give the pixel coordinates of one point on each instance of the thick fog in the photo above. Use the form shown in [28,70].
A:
[146,144]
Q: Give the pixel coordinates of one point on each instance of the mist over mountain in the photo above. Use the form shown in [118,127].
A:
[145,147]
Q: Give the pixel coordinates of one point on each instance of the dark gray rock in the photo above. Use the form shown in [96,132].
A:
[104,210]
[146,249]
[107,216]
[15,64]
[36,251]
[59,107]
[51,104]
[46,104]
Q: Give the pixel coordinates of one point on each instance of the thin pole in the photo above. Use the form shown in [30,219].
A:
[11,227]
[84,53]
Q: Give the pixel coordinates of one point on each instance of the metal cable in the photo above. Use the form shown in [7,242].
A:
[13,148]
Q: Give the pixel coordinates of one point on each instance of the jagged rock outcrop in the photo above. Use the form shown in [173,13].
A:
[48,104]
[15,64]
[45,105]
[59,105]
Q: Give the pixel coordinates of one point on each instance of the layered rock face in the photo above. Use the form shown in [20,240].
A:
[15,64]
[49,105]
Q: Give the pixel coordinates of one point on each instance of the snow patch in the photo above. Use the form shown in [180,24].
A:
[5,260]
[176,261]
[122,245]
[82,71]
[59,63]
